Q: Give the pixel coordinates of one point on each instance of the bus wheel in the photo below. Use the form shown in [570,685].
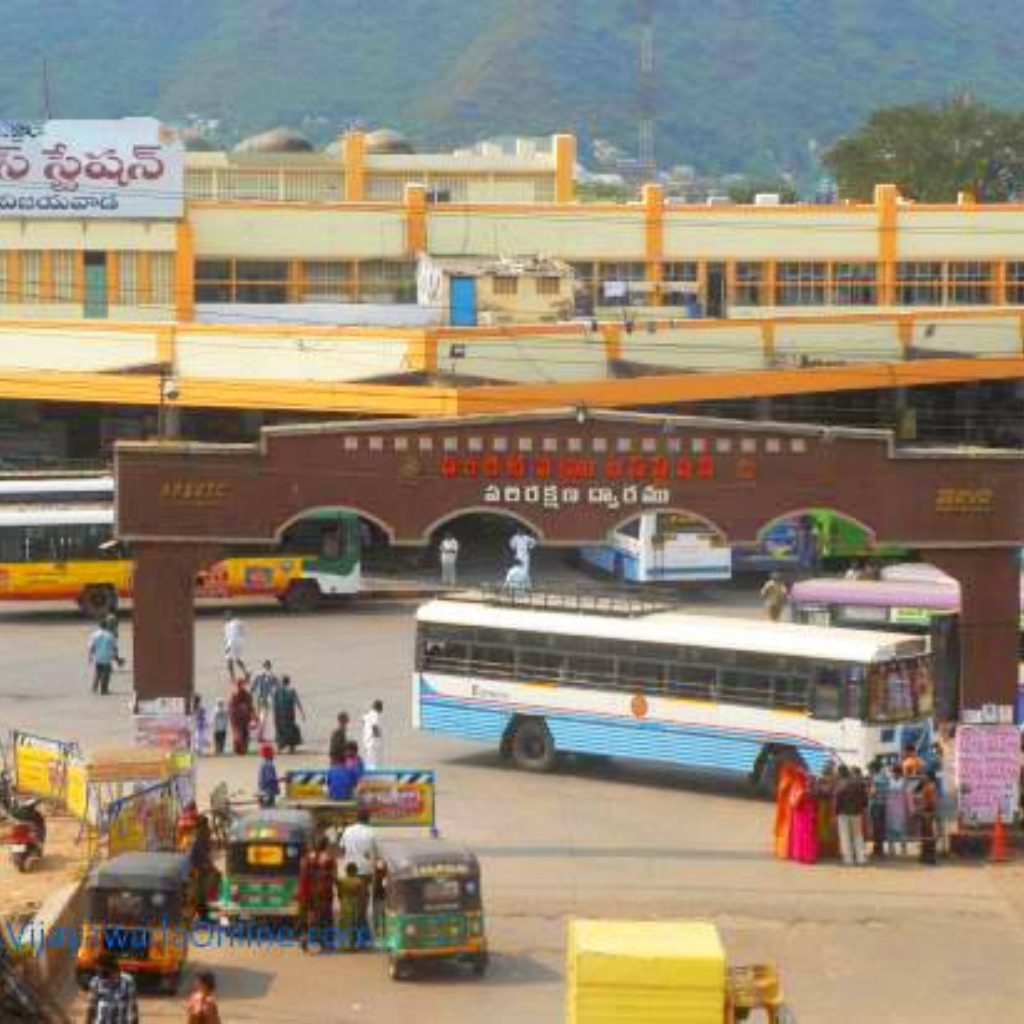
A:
[302,596]
[97,600]
[480,962]
[770,765]
[398,968]
[532,746]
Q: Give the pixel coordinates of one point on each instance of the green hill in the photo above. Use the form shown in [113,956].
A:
[743,85]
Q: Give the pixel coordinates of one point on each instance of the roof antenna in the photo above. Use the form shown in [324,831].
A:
[44,92]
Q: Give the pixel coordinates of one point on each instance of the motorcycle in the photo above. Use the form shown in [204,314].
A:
[25,838]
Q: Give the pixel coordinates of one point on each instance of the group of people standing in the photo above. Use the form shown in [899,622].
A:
[837,812]
[517,577]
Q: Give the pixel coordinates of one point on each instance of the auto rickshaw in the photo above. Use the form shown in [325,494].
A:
[432,906]
[261,869]
[137,906]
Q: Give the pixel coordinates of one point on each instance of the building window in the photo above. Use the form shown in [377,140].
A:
[506,286]
[261,281]
[919,284]
[749,283]
[5,279]
[31,275]
[855,284]
[387,281]
[801,284]
[549,285]
[161,280]
[1015,284]
[326,282]
[970,283]
[256,281]
[680,272]
[62,267]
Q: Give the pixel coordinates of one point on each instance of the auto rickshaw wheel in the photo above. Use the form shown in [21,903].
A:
[170,984]
[398,968]
[532,746]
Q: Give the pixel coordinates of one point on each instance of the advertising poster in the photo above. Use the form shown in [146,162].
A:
[987,772]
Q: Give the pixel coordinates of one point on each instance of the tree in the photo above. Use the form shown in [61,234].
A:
[933,151]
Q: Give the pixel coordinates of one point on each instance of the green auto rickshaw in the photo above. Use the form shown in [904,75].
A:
[261,869]
[432,906]
[138,907]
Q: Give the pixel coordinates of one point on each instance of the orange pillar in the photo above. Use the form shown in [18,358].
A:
[415,219]
[565,168]
[353,149]
[886,197]
[185,273]
[653,199]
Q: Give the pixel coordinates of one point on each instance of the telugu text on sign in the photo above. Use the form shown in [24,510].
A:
[88,169]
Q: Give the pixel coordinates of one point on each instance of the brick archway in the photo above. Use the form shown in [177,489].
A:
[573,474]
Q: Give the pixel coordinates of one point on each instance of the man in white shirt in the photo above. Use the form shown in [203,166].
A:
[449,551]
[234,638]
[373,736]
[359,845]
[522,545]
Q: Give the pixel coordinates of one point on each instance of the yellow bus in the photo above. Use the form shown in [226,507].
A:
[57,543]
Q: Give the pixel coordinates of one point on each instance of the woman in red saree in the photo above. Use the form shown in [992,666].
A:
[795,815]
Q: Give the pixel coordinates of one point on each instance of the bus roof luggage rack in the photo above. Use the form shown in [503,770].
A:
[594,601]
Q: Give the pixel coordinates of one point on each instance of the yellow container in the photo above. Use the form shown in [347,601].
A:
[645,972]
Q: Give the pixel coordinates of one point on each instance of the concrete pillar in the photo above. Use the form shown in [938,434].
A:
[163,621]
[989,621]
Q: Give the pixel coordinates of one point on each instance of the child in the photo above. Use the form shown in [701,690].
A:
[267,786]
[199,734]
[202,1004]
[220,727]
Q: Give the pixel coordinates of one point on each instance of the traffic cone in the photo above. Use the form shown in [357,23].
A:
[1000,852]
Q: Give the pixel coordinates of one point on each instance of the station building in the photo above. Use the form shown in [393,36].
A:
[279,281]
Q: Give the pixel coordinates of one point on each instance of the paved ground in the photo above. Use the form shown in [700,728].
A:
[880,944]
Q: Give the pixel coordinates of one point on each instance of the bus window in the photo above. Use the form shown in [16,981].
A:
[642,674]
[828,688]
[697,682]
[498,662]
[855,694]
[790,692]
[747,688]
[900,690]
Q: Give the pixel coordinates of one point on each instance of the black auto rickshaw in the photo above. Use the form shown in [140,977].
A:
[137,907]
[264,859]
[432,905]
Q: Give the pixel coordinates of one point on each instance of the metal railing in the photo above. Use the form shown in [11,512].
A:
[581,600]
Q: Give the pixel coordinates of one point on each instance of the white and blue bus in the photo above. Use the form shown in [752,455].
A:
[662,547]
[691,690]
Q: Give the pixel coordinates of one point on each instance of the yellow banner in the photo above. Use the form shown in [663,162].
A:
[399,797]
[76,790]
[39,765]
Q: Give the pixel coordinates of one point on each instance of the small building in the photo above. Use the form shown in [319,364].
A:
[526,289]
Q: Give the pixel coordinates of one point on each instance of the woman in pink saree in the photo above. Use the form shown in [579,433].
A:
[803,836]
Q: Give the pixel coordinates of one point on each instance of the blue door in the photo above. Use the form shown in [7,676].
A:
[94,305]
[462,302]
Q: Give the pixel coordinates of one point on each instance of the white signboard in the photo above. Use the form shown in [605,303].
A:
[89,169]
[987,772]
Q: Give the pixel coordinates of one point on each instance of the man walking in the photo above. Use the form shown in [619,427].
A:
[264,690]
[449,552]
[373,736]
[112,994]
[775,595]
[522,545]
[102,655]
[851,801]
[339,740]
[234,639]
